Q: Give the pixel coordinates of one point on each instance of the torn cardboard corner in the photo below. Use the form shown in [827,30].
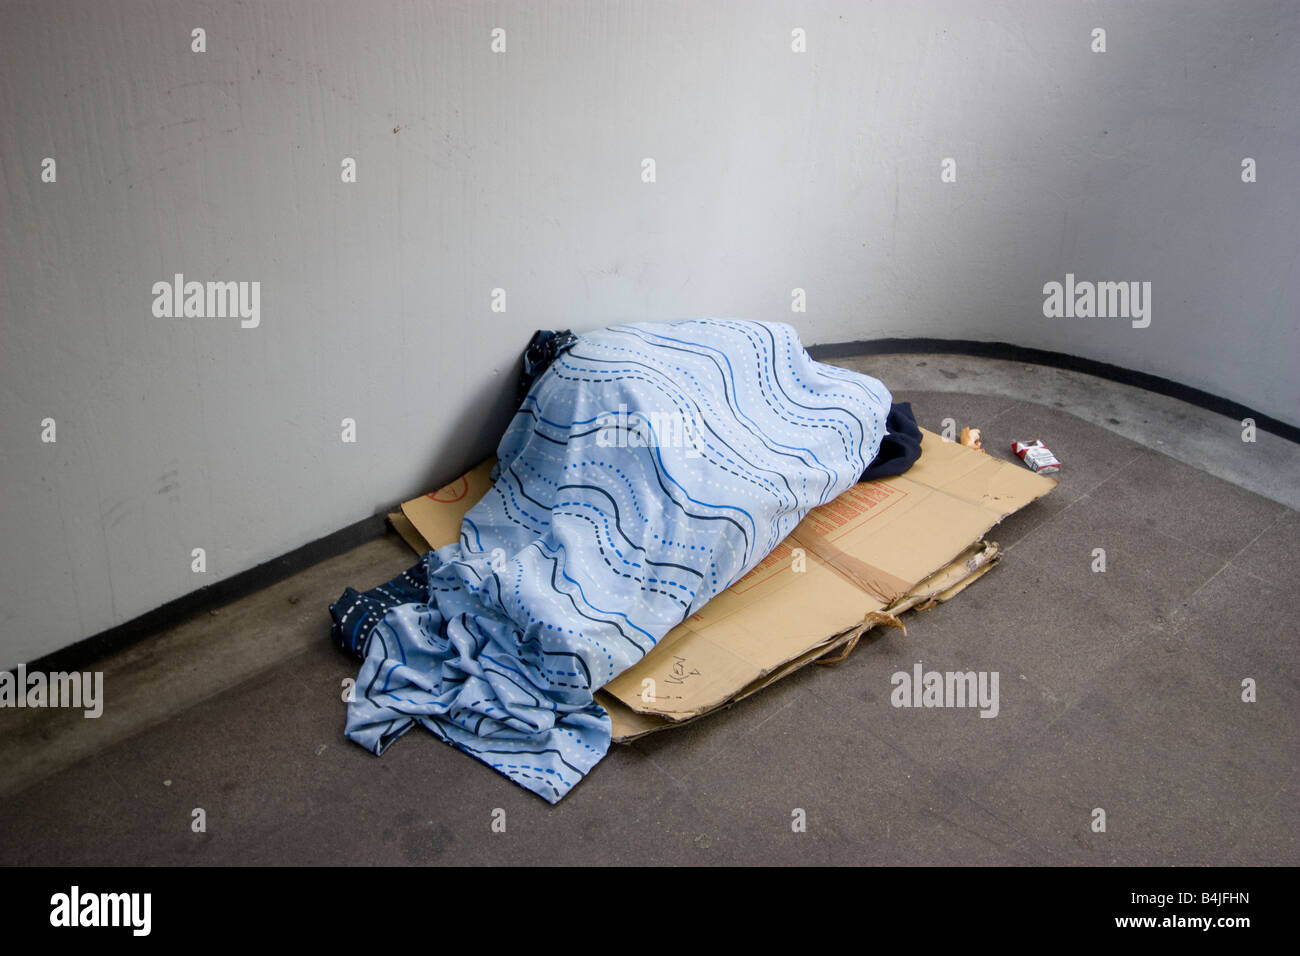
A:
[881,548]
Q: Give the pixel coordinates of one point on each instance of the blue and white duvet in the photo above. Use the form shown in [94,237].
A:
[650,466]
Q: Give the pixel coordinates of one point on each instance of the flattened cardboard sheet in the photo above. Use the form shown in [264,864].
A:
[877,550]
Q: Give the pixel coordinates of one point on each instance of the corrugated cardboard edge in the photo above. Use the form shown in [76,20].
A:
[967,568]
[402,525]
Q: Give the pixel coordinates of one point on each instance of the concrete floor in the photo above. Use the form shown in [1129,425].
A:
[1119,691]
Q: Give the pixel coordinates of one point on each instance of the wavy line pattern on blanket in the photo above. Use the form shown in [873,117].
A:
[650,467]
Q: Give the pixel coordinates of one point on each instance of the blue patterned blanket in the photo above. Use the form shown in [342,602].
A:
[648,468]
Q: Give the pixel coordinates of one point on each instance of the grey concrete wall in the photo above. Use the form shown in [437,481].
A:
[522,170]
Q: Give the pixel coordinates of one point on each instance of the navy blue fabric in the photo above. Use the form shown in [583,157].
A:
[901,447]
[543,349]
